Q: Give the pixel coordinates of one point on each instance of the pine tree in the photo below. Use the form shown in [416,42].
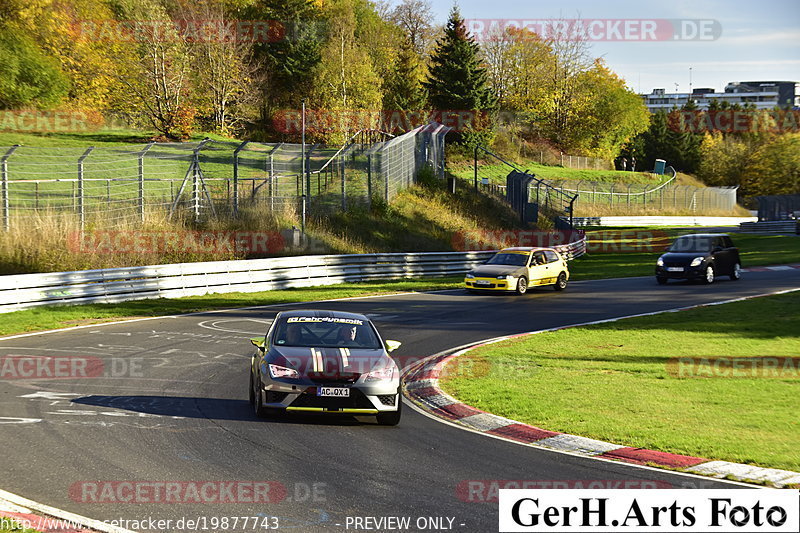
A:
[458,81]
[403,89]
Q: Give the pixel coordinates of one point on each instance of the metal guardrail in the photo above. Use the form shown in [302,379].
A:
[646,220]
[113,285]
[773,227]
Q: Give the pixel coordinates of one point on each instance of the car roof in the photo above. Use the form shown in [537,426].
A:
[321,313]
[525,249]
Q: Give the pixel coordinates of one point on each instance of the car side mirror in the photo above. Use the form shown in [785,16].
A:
[392,345]
[257,342]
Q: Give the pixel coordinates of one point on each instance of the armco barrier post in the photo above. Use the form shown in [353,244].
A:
[4,171]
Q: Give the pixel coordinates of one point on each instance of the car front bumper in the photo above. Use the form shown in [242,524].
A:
[365,398]
[490,284]
[688,272]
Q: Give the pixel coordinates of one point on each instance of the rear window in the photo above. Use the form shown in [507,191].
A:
[325,332]
[552,257]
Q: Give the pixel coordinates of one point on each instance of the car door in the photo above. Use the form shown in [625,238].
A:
[552,266]
[537,271]
[733,251]
[722,260]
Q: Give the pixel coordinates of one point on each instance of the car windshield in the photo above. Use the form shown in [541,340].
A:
[508,259]
[325,332]
[691,244]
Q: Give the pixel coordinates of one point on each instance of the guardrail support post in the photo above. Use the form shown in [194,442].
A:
[81,192]
[4,171]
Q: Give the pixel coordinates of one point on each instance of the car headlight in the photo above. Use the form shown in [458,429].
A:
[384,373]
[696,261]
[470,275]
[660,262]
[282,372]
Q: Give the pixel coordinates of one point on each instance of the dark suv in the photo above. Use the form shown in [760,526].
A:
[700,256]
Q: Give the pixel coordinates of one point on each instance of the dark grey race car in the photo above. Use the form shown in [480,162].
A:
[325,362]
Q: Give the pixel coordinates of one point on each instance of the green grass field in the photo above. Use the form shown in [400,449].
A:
[615,382]
[496,172]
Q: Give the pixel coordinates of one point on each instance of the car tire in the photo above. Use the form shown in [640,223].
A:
[709,277]
[736,272]
[522,285]
[661,280]
[561,282]
[252,393]
[392,418]
[258,402]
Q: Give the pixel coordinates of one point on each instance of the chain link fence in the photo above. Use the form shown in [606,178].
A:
[662,196]
[129,183]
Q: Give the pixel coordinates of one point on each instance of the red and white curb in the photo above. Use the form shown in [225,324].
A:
[421,385]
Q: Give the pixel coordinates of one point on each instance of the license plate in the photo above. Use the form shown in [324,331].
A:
[337,392]
[674,269]
[481,282]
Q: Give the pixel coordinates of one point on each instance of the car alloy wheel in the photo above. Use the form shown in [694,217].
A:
[709,274]
[736,273]
[522,285]
[561,282]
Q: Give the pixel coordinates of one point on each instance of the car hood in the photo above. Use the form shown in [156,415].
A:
[682,257]
[328,362]
[492,271]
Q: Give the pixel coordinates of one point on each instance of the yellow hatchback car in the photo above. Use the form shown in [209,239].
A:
[516,269]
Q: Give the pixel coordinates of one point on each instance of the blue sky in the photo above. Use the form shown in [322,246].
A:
[760,39]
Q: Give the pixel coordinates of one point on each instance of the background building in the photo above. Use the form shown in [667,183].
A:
[761,94]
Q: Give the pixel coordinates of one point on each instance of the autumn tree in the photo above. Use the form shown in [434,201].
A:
[610,114]
[414,18]
[774,168]
[222,66]
[346,81]
[28,76]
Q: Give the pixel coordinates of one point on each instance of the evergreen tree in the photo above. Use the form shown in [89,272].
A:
[403,90]
[458,81]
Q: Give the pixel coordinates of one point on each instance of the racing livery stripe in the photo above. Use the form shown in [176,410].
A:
[345,353]
[316,358]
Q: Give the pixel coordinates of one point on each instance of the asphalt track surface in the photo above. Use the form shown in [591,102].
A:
[182,413]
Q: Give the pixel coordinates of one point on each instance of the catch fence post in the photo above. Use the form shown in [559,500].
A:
[4,171]
[81,192]
[141,180]
[236,178]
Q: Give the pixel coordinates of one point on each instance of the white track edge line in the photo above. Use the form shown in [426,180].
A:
[61,514]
